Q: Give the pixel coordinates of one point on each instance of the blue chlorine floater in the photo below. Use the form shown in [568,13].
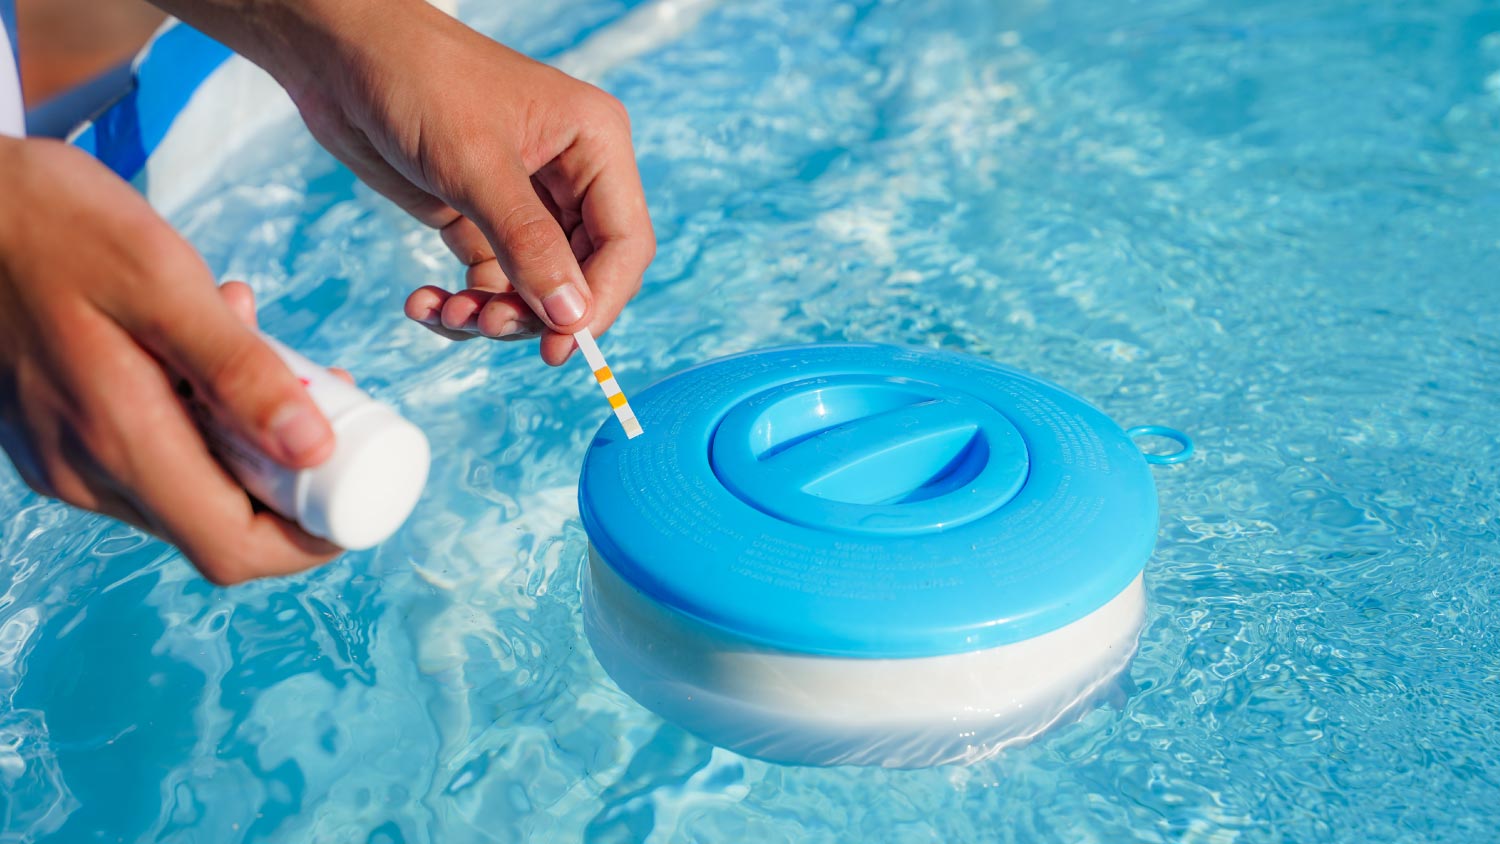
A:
[864,554]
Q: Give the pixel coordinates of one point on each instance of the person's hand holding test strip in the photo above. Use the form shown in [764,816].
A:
[595,358]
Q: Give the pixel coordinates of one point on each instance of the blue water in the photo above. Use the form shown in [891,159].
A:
[1271,223]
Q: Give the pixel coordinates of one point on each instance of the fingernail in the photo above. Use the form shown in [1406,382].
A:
[299,430]
[565,306]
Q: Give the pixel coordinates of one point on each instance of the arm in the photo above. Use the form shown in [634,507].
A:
[528,173]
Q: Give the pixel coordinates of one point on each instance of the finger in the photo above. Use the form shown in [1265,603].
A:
[241,301]
[246,385]
[493,315]
[488,275]
[86,490]
[207,515]
[120,509]
[473,313]
[55,453]
[533,252]
[20,445]
[566,215]
[107,500]
[263,545]
[557,348]
[582,245]
[425,305]
[470,246]
[620,243]
[467,243]
[79,479]
[506,317]
[609,302]
[619,230]
[461,311]
[47,450]
[56,462]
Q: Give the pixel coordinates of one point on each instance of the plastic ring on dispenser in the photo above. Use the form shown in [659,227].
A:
[1172,434]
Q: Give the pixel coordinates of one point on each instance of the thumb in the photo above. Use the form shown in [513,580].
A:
[244,383]
[533,252]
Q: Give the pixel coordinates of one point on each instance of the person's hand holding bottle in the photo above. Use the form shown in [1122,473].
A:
[106,315]
[104,310]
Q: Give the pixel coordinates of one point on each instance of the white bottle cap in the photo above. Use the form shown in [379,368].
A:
[363,493]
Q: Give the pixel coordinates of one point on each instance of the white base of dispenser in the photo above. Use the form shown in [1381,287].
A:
[823,710]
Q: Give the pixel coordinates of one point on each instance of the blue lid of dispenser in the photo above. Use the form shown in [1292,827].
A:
[870,501]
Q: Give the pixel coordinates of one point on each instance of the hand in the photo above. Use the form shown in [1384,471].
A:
[529,174]
[103,310]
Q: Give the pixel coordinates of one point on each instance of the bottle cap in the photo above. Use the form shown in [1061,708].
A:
[365,491]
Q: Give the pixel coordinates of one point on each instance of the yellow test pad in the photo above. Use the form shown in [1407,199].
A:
[607,383]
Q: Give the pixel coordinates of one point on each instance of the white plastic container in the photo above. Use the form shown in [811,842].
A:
[806,708]
[362,493]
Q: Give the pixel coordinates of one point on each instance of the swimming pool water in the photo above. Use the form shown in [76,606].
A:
[1271,224]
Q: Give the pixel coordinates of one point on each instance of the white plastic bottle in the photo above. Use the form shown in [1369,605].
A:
[362,493]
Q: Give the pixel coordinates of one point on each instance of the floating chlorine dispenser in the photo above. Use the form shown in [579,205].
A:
[865,554]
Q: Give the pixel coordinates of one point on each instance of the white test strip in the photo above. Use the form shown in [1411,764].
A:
[585,340]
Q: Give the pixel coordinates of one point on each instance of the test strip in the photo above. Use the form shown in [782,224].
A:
[607,383]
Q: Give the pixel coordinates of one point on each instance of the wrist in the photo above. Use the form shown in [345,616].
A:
[299,42]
